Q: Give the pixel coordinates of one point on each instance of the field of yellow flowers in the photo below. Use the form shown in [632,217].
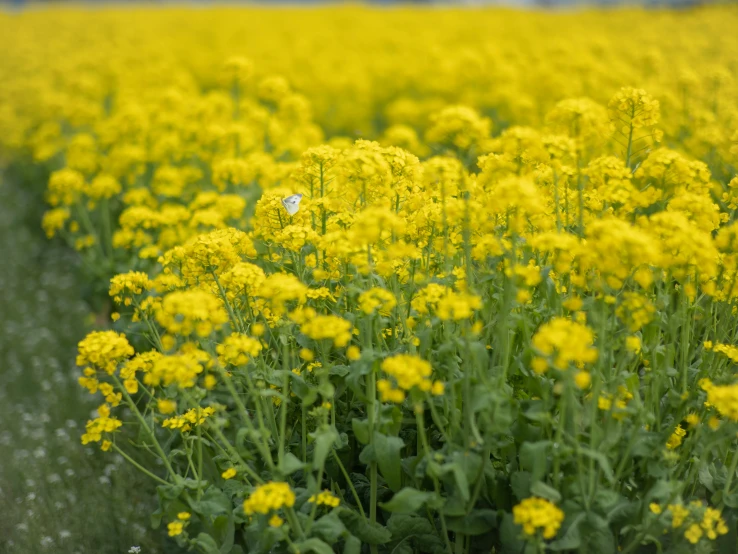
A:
[400,280]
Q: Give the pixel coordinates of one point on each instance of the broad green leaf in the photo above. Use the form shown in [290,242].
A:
[520,484]
[407,501]
[214,502]
[387,452]
[329,528]
[476,523]
[207,544]
[533,458]
[402,526]
[571,538]
[352,546]
[539,488]
[363,529]
[361,430]
[314,545]
[324,439]
[602,460]
[290,464]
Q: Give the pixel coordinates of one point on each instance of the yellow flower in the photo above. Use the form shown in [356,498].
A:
[633,344]
[655,508]
[175,528]
[104,350]
[678,514]
[275,521]
[268,497]
[538,514]
[409,371]
[237,349]
[566,341]
[377,299]
[693,533]
[229,473]
[353,353]
[184,516]
[329,327]
[166,406]
[583,379]
[676,438]
[325,498]
[191,311]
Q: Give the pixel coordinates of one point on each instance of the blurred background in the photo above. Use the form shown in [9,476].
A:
[531,3]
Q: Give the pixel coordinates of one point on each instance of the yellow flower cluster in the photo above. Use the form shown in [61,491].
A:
[325,498]
[125,286]
[676,438]
[237,349]
[192,417]
[698,520]
[409,371]
[504,206]
[564,342]
[727,350]
[377,299]
[191,311]
[103,423]
[538,515]
[269,497]
[328,327]
[176,528]
[181,369]
[104,350]
[724,398]
[445,303]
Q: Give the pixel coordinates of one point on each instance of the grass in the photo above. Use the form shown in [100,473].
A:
[47,503]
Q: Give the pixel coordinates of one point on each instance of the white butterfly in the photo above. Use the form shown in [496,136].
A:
[292,203]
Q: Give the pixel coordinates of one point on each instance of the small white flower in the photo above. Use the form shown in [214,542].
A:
[134,550]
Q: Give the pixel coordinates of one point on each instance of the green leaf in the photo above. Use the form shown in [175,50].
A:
[339,370]
[214,502]
[361,430]
[706,478]
[597,535]
[510,537]
[533,458]
[602,460]
[402,526]
[329,528]
[462,483]
[571,539]
[194,484]
[169,492]
[324,439]
[407,501]
[352,546]
[539,488]
[314,545]
[366,531]
[476,523]
[520,484]
[387,451]
[224,529]
[290,464]
[207,544]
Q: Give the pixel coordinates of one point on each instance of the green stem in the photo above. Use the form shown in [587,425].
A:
[138,466]
[350,484]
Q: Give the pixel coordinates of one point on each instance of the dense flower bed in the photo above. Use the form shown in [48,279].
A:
[401,280]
